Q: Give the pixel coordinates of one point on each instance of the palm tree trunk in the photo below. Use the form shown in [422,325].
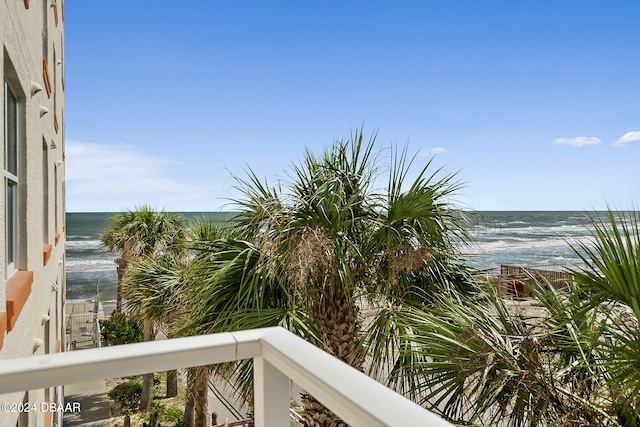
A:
[147,379]
[172,383]
[147,391]
[318,415]
[189,400]
[338,322]
[202,397]
[121,269]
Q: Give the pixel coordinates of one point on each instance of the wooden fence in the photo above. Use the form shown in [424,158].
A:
[512,280]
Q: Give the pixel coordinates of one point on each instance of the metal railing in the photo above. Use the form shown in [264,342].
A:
[279,356]
[83,331]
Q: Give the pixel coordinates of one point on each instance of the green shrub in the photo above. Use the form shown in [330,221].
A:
[121,329]
[167,417]
[173,417]
[157,406]
[127,395]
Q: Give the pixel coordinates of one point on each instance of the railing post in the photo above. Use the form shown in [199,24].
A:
[271,395]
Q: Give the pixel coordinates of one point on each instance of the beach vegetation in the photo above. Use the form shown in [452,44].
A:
[139,233]
[121,328]
[136,235]
[159,286]
[565,357]
[483,360]
[609,283]
[314,253]
[374,275]
[164,411]
[127,395]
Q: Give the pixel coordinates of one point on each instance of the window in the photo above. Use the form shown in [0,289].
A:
[45,29]
[45,192]
[11,173]
[55,90]
[55,199]
[47,338]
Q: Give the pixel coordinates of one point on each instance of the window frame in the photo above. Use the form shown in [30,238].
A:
[45,192]
[12,136]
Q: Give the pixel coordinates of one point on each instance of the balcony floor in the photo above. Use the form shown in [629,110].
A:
[93,400]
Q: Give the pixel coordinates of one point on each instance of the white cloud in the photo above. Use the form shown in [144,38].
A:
[432,151]
[111,168]
[628,138]
[579,141]
[110,177]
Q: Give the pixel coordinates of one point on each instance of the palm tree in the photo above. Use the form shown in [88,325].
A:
[569,358]
[159,288]
[137,235]
[610,283]
[480,360]
[307,256]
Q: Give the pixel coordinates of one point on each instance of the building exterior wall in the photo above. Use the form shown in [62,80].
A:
[32,289]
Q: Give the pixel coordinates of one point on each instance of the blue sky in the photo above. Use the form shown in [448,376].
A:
[535,104]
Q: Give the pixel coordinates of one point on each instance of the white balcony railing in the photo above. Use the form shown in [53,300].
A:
[278,357]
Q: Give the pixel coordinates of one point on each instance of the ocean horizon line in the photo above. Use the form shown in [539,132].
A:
[112,212]
[464,210]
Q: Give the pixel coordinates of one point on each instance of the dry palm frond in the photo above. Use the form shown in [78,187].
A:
[405,259]
[310,257]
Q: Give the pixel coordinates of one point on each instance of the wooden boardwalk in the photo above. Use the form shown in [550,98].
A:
[82,332]
[82,325]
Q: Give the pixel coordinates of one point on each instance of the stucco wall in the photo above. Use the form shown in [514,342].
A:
[39,326]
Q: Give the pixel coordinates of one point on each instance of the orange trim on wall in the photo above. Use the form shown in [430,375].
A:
[26,4]
[55,122]
[46,252]
[58,345]
[18,291]
[48,416]
[3,326]
[57,238]
[55,13]
[45,77]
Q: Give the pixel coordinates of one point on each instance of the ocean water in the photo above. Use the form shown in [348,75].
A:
[91,271]
[88,268]
[528,238]
[535,239]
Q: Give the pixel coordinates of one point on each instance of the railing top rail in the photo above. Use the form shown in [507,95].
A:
[355,397]
[29,373]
